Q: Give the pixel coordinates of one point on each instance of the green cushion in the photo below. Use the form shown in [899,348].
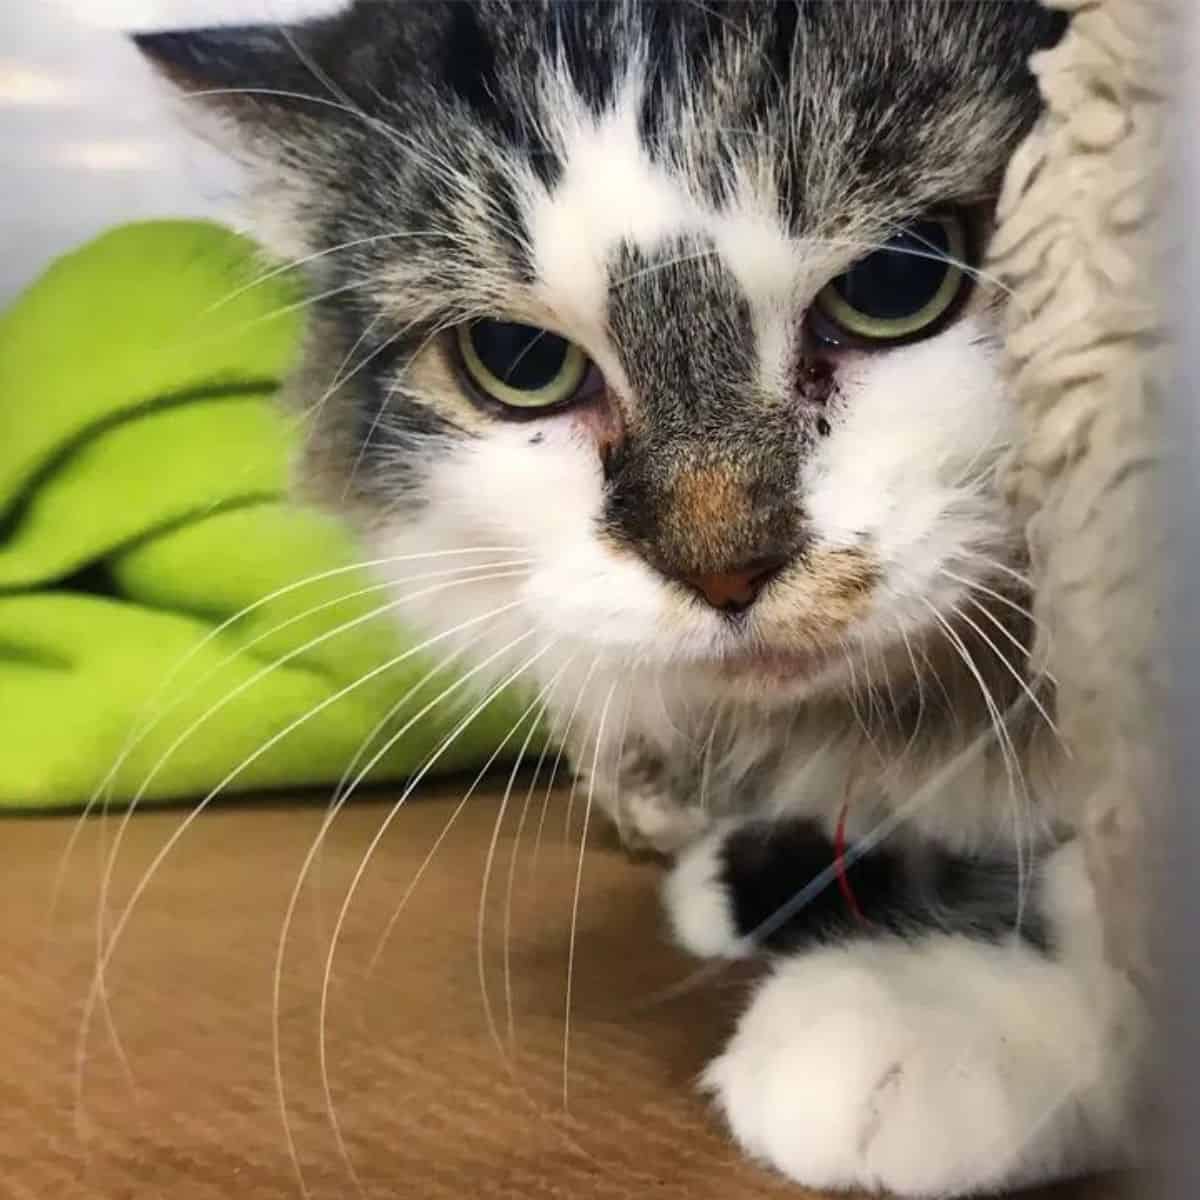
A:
[143,504]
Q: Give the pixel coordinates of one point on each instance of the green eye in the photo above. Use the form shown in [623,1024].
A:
[904,290]
[520,366]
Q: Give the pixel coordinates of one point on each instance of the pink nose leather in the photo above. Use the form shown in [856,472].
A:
[733,591]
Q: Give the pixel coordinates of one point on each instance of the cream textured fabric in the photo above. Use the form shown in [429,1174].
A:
[1079,244]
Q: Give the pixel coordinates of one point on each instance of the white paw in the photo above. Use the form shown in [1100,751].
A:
[945,1069]
[699,906]
[648,820]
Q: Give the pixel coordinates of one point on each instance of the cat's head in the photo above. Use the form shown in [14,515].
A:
[674,302]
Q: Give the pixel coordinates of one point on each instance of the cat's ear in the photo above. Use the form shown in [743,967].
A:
[250,72]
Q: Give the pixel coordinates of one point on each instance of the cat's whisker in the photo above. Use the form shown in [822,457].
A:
[510,886]
[295,264]
[534,715]
[308,301]
[369,853]
[480,777]
[340,802]
[870,689]
[108,947]
[569,811]
[1004,738]
[919,681]
[1042,672]
[852,693]
[558,759]
[1028,585]
[667,264]
[110,854]
[889,687]
[1000,598]
[975,273]
[104,787]
[587,815]
[1021,815]
[339,791]
[951,708]
[435,333]
[322,78]
[263,673]
[1017,786]
[1021,649]
[341,796]
[312,413]
[706,761]
[138,736]
[287,94]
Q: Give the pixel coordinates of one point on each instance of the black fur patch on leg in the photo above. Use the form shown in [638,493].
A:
[766,868]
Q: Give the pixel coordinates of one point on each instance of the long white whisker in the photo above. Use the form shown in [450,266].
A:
[1007,749]
[1021,683]
[254,679]
[510,887]
[340,798]
[994,564]
[1008,634]
[380,409]
[136,738]
[99,995]
[355,882]
[587,815]
[437,845]
[296,264]
[919,679]
[540,703]
[976,586]
[98,984]
[558,757]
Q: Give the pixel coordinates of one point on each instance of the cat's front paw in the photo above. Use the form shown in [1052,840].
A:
[951,1069]
[654,810]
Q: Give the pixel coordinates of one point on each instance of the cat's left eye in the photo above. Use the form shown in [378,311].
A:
[521,367]
[907,289]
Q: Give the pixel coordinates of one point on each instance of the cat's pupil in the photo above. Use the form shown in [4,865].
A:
[902,278]
[520,356]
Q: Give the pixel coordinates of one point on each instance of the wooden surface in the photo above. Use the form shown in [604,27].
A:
[432,1101]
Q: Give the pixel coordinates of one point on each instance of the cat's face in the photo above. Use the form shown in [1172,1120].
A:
[669,300]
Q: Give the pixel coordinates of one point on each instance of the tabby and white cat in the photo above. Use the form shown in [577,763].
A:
[679,302]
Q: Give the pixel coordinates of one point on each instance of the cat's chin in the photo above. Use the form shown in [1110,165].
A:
[771,676]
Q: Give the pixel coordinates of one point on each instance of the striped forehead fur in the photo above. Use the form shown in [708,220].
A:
[489,157]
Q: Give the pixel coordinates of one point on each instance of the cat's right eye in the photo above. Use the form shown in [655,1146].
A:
[907,289]
[526,370]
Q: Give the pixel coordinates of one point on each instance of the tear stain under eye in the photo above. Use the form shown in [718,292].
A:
[815,381]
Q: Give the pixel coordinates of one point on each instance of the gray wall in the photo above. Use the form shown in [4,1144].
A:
[87,136]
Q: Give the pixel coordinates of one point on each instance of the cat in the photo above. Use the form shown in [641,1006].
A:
[677,311]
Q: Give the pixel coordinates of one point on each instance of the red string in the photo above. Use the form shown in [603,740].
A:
[839,862]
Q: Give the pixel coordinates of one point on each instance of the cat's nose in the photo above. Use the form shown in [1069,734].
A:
[735,590]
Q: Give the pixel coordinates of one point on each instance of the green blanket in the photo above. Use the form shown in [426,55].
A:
[143,478]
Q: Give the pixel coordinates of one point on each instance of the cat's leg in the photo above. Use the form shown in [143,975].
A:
[882,1054]
[650,798]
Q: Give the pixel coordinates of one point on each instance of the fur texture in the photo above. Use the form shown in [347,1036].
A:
[670,186]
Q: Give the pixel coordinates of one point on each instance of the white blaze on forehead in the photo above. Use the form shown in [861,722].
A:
[612,193]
